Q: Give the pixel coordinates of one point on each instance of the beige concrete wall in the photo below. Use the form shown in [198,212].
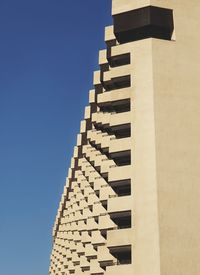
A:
[176,70]
[146,256]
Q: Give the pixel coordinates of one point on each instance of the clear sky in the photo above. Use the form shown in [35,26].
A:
[48,51]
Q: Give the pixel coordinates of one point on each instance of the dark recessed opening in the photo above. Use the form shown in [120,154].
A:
[104,233]
[92,185]
[104,264]
[85,268]
[105,176]
[102,150]
[89,258]
[96,219]
[98,168]
[121,158]
[119,60]
[121,188]
[119,106]
[120,131]
[122,254]
[117,83]
[104,204]
[144,23]
[121,219]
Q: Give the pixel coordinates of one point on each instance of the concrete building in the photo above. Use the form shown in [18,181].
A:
[131,203]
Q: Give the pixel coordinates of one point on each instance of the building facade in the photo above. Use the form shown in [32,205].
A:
[131,202]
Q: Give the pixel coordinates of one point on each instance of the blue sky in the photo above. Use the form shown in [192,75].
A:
[48,51]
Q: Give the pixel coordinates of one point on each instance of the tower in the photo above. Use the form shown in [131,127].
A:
[131,201]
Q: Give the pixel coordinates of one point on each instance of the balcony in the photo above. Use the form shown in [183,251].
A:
[122,219]
[119,173]
[121,188]
[122,254]
[113,96]
[117,124]
[118,106]
[116,83]
[121,158]
[119,60]
[118,204]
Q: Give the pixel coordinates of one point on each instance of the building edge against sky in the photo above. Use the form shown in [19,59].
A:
[131,200]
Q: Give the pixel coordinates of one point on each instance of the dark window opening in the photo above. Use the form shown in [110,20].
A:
[122,254]
[119,106]
[121,158]
[119,60]
[120,131]
[121,188]
[117,83]
[122,219]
